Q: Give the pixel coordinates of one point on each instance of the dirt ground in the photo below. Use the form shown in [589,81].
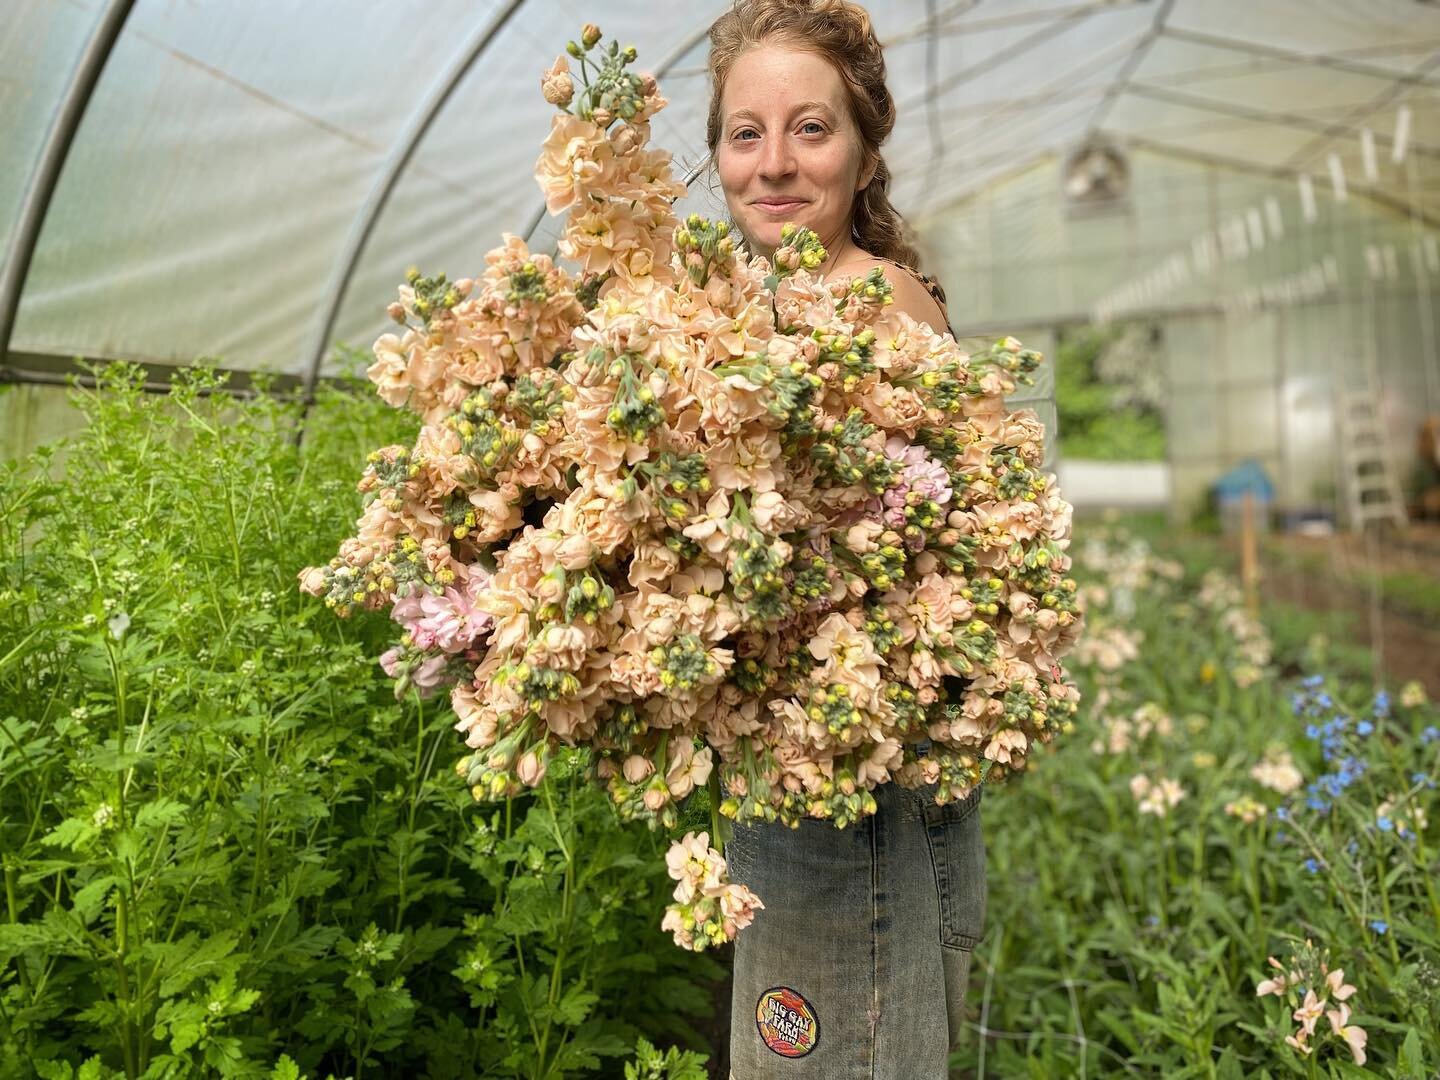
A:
[1328,575]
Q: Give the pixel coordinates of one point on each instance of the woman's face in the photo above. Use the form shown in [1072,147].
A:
[788,150]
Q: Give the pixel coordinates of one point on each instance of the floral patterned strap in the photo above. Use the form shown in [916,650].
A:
[932,286]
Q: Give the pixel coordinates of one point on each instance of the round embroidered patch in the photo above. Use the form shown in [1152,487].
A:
[787,1022]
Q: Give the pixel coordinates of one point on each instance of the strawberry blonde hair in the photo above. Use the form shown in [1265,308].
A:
[840,32]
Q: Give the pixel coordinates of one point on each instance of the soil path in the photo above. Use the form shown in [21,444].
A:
[1327,575]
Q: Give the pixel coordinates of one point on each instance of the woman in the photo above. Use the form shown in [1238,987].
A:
[857,966]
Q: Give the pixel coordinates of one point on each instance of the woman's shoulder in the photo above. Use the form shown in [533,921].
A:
[907,285]
[871,262]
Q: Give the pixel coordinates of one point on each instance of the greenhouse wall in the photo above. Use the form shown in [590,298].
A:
[1260,325]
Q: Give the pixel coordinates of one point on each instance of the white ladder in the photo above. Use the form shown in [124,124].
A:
[1370,485]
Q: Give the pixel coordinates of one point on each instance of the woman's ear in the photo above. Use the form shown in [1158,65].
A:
[868,167]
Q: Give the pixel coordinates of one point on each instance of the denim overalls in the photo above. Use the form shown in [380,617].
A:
[856,969]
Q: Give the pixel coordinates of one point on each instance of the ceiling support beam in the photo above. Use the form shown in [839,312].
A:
[46,173]
[1273,52]
[1065,22]
[974,130]
[1274,172]
[1357,117]
[1259,116]
[1122,79]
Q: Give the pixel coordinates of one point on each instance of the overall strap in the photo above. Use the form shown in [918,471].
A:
[932,286]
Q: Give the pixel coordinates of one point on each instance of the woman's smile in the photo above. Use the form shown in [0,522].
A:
[780,205]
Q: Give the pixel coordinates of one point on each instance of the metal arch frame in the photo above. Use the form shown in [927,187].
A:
[938,22]
[975,126]
[1020,18]
[384,185]
[1122,78]
[1067,19]
[1308,153]
[1338,61]
[45,176]
[1262,116]
[1079,71]
[1071,17]
[676,55]
[1274,172]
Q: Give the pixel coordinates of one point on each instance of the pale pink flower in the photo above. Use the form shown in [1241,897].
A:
[1309,1011]
[450,622]
[737,908]
[1354,1036]
[1156,797]
[1338,987]
[1277,772]
[688,770]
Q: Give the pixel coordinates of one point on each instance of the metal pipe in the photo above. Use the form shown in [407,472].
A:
[46,174]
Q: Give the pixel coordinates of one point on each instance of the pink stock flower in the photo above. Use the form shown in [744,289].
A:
[449,622]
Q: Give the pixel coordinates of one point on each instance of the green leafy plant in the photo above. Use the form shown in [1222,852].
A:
[228,849]
[1102,417]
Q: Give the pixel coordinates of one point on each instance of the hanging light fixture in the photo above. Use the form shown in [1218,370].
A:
[1096,177]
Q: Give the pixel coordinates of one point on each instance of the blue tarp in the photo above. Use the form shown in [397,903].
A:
[1249,475]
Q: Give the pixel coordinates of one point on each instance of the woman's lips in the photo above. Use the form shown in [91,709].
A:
[779,206]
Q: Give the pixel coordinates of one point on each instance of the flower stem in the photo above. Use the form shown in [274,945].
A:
[717,838]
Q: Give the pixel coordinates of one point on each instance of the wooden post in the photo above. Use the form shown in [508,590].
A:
[1249,563]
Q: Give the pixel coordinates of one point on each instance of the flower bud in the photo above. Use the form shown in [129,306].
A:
[625,138]
[557,88]
[531,768]
[590,34]
[637,767]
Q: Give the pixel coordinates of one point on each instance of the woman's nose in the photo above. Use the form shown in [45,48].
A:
[776,160]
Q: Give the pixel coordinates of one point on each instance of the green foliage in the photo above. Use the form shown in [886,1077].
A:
[1101,418]
[674,1064]
[1407,591]
[228,850]
[1129,943]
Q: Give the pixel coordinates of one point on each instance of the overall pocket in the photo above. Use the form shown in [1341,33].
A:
[957,849]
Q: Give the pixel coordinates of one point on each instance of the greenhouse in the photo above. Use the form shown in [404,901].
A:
[319,319]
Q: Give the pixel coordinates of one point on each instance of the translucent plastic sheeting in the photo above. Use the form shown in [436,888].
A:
[1265,313]
[229,148]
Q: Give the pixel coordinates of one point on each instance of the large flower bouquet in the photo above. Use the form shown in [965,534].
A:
[707,515]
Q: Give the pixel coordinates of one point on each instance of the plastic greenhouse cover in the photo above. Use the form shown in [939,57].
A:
[228,148]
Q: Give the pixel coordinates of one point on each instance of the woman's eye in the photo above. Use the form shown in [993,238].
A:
[819,127]
[746,131]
